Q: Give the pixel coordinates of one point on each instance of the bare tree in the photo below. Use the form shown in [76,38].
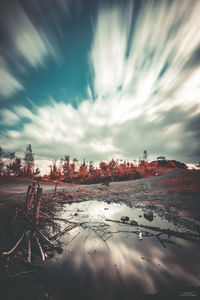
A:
[29,161]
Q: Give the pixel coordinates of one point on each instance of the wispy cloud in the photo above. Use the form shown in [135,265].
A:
[58,128]
[8,118]
[108,55]
[9,85]
[144,93]
[152,62]
[24,43]
[30,42]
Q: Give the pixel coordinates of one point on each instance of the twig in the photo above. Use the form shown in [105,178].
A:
[184,235]
[51,243]
[29,251]
[24,262]
[158,237]
[72,238]
[14,247]
[55,189]
[37,203]
[22,273]
[41,250]
[61,219]
[101,239]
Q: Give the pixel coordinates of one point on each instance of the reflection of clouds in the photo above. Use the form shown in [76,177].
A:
[161,267]
[164,268]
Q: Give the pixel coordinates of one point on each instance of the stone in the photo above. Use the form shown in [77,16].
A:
[124,219]
[148,215]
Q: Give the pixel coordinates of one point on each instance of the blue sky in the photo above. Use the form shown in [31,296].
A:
[100,79]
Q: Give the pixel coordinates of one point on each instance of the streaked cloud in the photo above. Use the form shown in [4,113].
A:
[143,91]
[9,85]
[8,118]
[58,128]
[30,42]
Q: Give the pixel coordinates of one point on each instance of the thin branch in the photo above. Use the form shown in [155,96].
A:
[51,243]
[184,235]
[29,251]
[41,250]
[22,273]
[14,247]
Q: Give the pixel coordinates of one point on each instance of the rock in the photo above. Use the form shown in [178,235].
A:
[75,214]
[124,219]
[148,215]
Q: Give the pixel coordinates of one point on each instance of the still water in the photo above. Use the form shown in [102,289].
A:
[107,260]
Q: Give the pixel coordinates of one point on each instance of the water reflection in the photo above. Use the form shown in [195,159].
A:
[121,266]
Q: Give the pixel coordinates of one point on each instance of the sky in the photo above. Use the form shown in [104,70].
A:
[100,79]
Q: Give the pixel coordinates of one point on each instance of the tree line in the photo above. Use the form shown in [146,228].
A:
[12,165]
[72,171]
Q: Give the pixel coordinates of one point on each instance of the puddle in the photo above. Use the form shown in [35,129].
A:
[106,260]
[99,211]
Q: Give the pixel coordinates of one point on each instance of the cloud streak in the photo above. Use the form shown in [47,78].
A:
[144,92]
[8,83]
[24,44]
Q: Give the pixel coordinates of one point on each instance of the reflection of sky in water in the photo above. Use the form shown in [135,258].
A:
[124,266]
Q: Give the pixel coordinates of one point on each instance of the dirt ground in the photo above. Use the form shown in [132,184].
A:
[174,195]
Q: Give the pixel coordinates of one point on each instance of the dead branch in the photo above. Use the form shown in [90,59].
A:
[14,247]
[29,251]
[37,204]
[104,241]
[27,197]
[55,189]
[41,250]
[24,262]
[185,235]
[61,219]
[51,243]
[22,273]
